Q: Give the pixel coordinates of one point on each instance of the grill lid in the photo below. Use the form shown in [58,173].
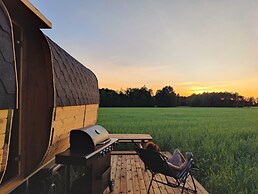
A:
[86,140]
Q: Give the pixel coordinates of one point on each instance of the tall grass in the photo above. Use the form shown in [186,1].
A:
[224,141]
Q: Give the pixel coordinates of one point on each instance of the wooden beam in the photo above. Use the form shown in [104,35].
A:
[123,152]
[37,13]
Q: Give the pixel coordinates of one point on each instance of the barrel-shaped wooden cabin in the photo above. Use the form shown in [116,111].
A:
[44,93]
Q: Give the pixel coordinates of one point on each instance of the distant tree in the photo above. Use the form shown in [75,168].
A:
[194,100]
[250,101]
[166,97]
[216,99]
[123,100]
[109,98]
[256,102]
[139,97]
[240,101]
[181,100]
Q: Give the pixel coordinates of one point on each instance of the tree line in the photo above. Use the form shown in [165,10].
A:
[167,97]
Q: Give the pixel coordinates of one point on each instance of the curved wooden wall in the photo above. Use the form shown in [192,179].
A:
[76,98]
[36,99]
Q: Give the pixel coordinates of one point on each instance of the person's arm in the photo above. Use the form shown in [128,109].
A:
[174,167]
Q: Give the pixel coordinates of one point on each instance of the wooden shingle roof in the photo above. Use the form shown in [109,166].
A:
[74,84]
[7,70]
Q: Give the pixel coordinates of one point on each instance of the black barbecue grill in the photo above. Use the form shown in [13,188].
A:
[90,147]
[87,140]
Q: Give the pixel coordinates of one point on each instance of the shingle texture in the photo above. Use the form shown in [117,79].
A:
[74,83]
[7,72]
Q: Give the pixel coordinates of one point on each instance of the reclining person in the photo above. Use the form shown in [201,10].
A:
[177,161]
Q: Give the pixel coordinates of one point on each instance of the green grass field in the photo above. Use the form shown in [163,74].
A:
[224,141]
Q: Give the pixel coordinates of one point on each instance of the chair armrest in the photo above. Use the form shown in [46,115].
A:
[187,169]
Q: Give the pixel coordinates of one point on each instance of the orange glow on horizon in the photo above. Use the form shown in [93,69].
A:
[187,89]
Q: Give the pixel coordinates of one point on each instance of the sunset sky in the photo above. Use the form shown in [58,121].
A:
[195,46]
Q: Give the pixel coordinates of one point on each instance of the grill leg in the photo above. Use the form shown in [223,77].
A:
[67,179]
[111,185]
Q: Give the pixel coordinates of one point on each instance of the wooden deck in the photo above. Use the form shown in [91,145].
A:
[130,177]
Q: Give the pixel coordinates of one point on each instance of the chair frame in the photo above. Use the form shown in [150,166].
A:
[179,177]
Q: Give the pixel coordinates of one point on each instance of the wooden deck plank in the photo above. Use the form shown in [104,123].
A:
[130,177]
[117,175]
[142,184]
[135,177]
[123,180]
[113,167]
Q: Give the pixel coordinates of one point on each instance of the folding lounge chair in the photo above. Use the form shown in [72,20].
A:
[156,163]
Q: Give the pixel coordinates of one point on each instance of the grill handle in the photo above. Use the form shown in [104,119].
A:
[104,142]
